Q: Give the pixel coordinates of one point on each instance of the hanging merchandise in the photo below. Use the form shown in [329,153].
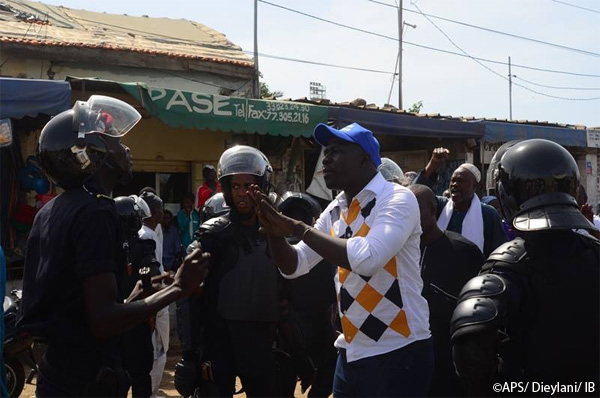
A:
[6,133]
[31,178]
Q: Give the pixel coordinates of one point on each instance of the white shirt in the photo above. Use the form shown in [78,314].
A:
[597,222]
[380,301]
[147,233]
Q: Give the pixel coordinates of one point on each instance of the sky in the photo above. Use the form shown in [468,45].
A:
[446,84]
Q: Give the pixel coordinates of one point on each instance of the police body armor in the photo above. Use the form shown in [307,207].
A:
[247,279]
[531,314]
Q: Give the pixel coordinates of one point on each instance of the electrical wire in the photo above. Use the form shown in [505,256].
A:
[393,79]
[431,48]
[498,74]
[556,87]
[559,46]
[573,5]
[329,21]
[303,61]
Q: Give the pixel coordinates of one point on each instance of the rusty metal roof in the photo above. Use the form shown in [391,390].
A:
[36,24]
[362,104]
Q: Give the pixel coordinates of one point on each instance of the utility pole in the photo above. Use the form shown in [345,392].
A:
[256,70]
[400,28]
[509,90]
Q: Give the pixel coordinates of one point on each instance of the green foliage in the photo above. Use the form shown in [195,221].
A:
[416,107]
[266,93]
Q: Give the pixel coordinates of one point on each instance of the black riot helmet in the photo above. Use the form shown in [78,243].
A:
[300,206]
[74,145]
[492,173]
[243,159]
[132,210]
[536,184]
[213,207]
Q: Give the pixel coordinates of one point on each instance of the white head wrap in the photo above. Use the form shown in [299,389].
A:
[472,168]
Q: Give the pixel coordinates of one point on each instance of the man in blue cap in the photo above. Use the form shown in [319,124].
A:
[371,231]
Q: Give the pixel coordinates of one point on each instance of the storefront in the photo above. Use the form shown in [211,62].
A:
[26,105]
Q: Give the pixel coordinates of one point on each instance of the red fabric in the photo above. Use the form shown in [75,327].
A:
[204,192]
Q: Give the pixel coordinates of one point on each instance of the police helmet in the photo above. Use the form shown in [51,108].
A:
[243,159]
[492,172]
[213,207]
[536,185]
[132,210]
[300,206]
[390,170]
[72,146]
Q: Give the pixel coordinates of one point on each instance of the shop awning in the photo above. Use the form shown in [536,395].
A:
[392,123]
[504,132]
[30,97]
[239,115]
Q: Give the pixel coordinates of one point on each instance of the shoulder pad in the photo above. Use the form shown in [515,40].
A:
[487,285]
[473,314]
[215,226]
[510,252]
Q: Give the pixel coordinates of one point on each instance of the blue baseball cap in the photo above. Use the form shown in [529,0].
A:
[354,133]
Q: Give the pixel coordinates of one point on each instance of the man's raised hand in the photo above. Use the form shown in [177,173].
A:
[440,155]
[272,222]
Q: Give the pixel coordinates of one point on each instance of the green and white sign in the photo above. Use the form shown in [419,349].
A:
[240,115]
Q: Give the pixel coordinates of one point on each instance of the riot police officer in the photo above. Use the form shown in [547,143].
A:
[532,313]
[137,349]
[239,306]
[75,261]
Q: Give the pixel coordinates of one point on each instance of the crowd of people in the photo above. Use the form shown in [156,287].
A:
[388,291]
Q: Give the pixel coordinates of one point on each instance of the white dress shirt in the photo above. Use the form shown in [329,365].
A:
[380,301]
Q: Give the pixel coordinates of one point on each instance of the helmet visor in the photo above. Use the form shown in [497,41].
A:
[141,207]
[390,170]
[243,159]
[105,115]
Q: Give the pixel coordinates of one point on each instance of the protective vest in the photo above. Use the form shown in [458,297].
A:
[246,275]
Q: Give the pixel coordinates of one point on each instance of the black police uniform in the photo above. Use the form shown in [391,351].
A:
[75,236]
[137,348]
[532,315]
[239,308]
[541,292]
[310,317]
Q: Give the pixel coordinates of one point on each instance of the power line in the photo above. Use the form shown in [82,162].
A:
[560,46]
[303,61]
[498,74]
[499,62]
[557,87]
[429,47]
[573,5]
[328,21]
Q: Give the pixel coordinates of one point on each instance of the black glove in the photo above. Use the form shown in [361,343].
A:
[187,376]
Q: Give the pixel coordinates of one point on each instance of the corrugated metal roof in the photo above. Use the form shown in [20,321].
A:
[362,104]
[36,24]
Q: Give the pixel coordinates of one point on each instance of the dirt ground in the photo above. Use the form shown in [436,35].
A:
[167,386]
